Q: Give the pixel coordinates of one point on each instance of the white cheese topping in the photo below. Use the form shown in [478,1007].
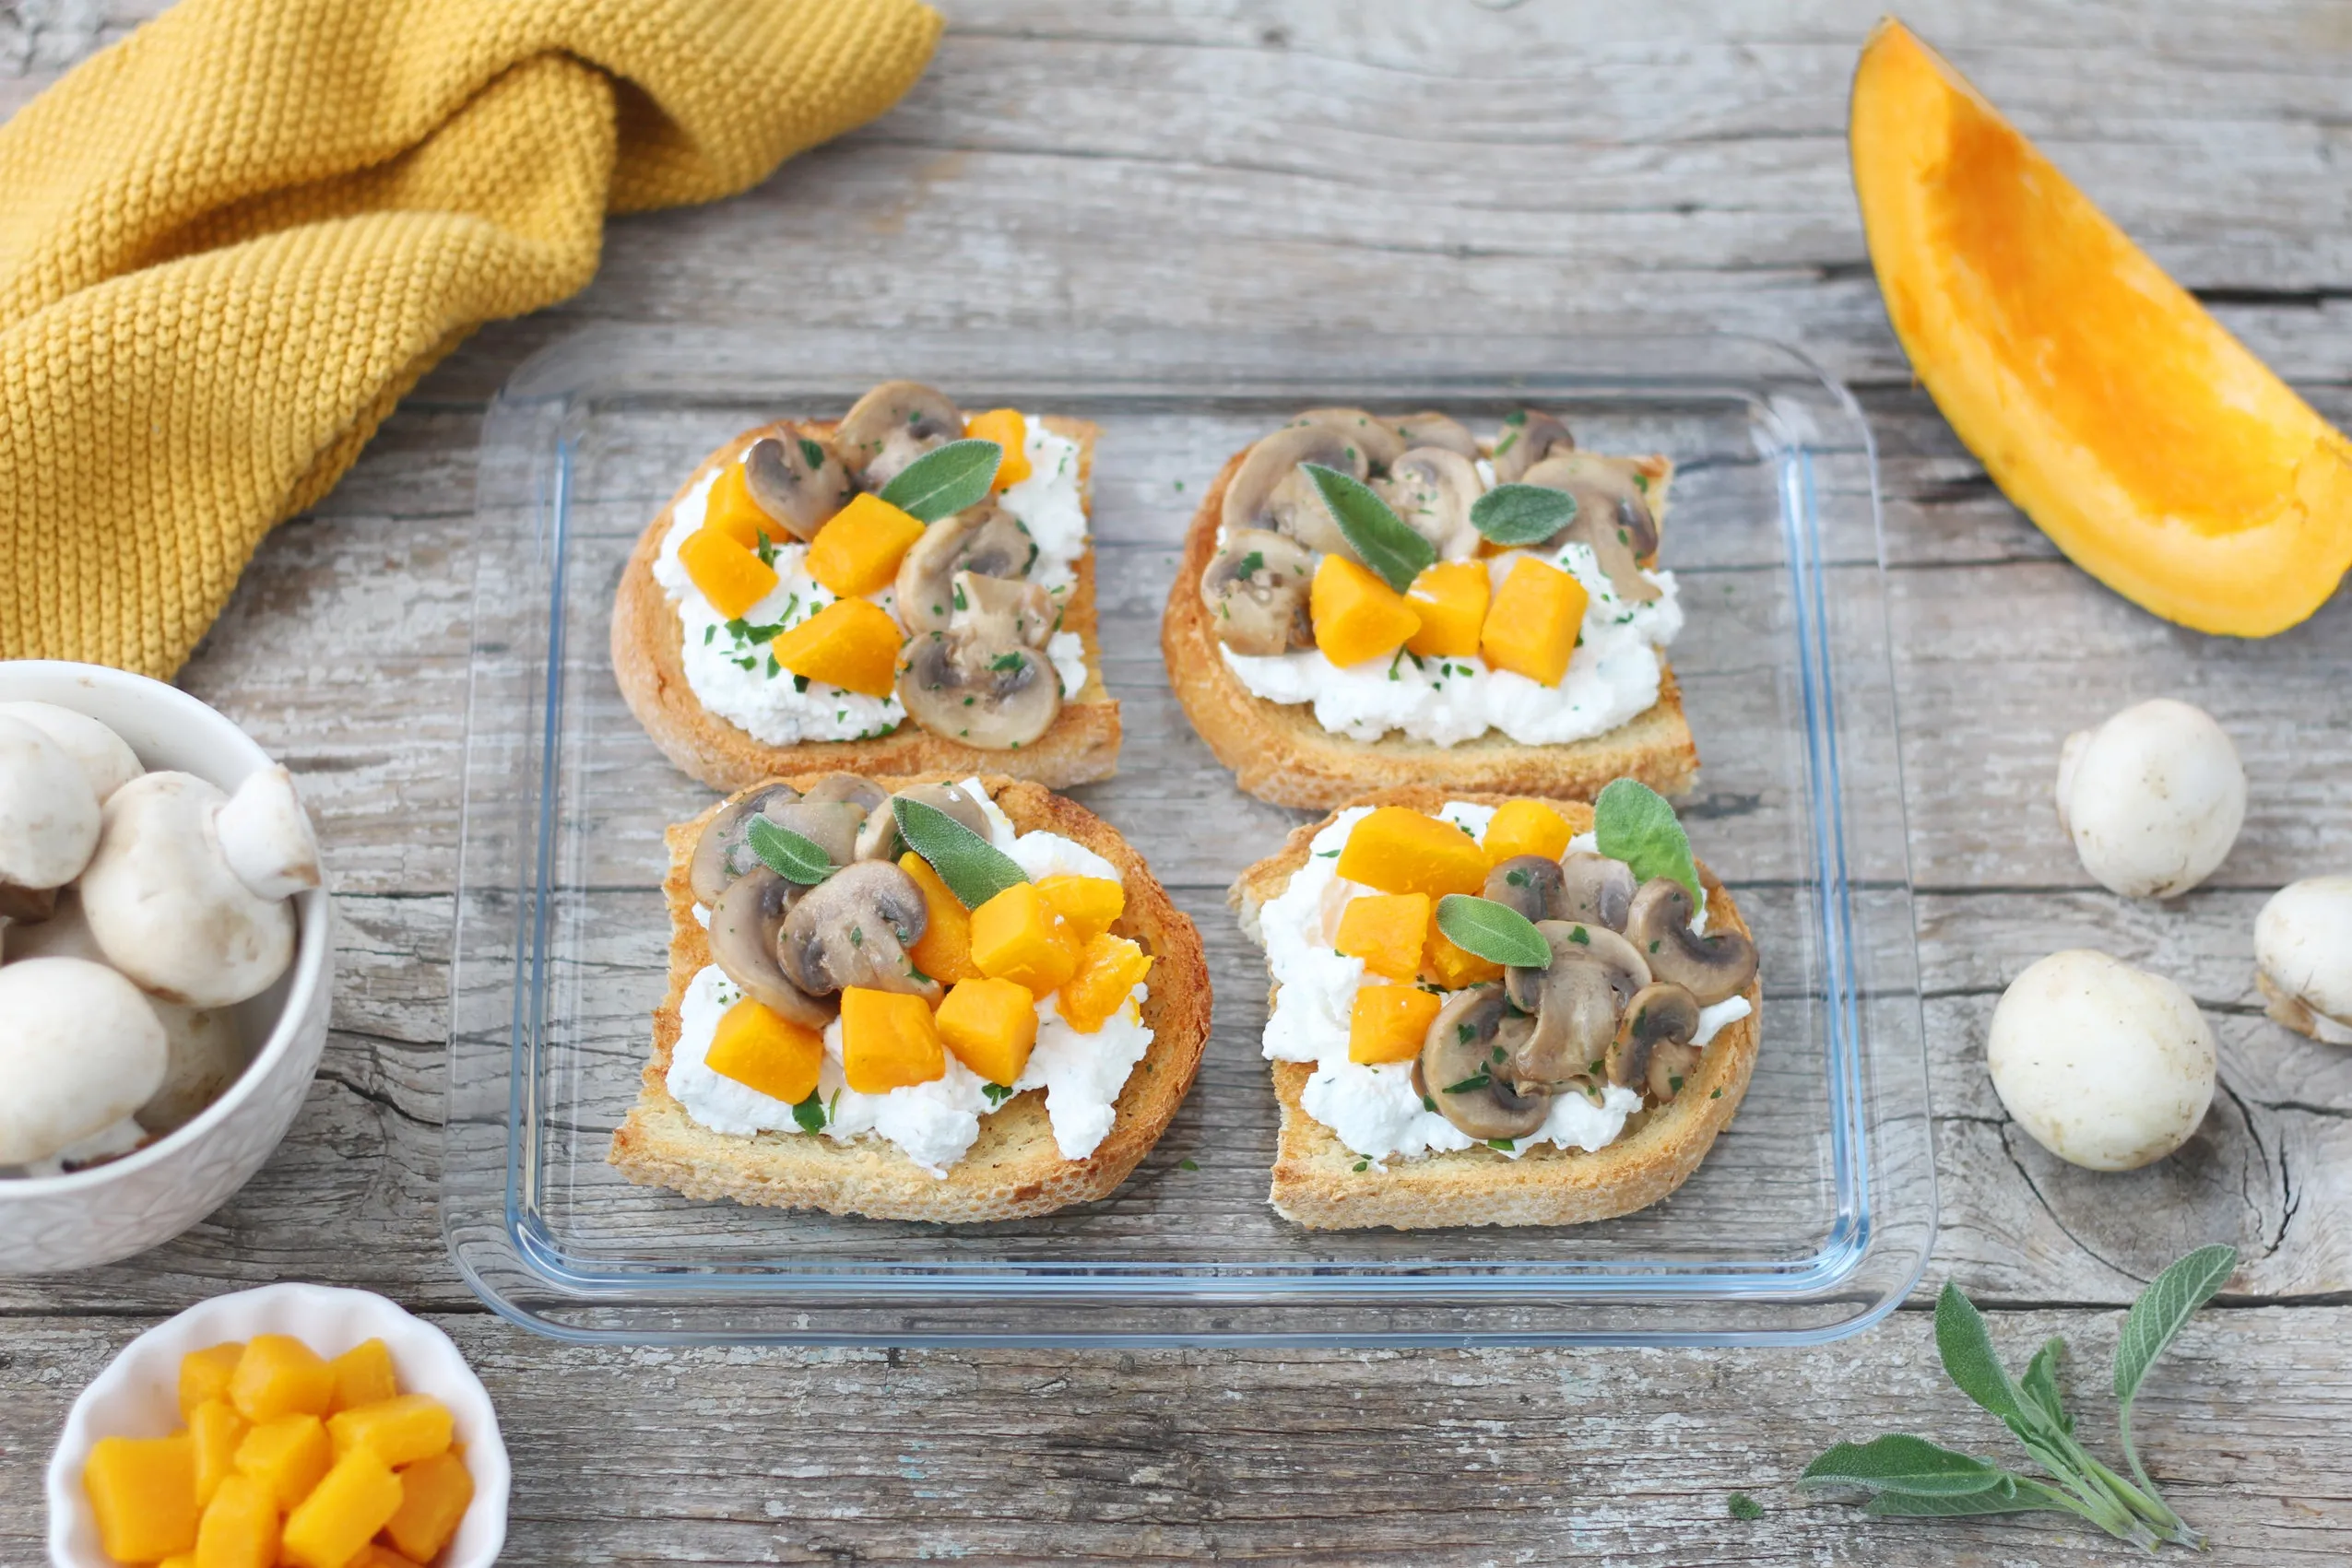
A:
[727,663]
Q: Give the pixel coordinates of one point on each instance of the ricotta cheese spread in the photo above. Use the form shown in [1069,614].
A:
[932,1123]
[733,674]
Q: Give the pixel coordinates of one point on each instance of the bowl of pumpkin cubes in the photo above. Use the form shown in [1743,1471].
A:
[294,1424]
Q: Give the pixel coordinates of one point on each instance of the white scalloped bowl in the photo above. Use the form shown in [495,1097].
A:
[137,1395]
[149,1196]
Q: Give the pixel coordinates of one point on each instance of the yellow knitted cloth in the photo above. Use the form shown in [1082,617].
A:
[230,243]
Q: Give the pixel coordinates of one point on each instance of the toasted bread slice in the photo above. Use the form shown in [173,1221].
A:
[1014,1169]
[1081,745]
[1278,752]
[1320,1182]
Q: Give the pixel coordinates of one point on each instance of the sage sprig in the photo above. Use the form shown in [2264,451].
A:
[1633,823]
[945,480]
[1495,932]
[1390,547]
[1522,514]
[793,856]
[973,869]
[1911,1475]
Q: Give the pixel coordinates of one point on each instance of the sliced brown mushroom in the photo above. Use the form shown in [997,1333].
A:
[1530,884]
[1474,1034]
[988,541]
[1430,489]
[798,481]
[891,427]
[1438,429]
[1613,517]
[1713,968]
[1382,443]
[1627,967]
[1576,999]
[1526,438]
[1269,491]
[745,923]
[880,838]
[996,697]
[1595,889]
[854,928]
[831,825]
[1652,1048]
[1256,589]
[855,788]
[723,853]
[1002,609]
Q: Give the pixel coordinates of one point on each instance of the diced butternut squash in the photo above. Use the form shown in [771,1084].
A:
[1389,1023]
[363,1374]
[1450,599]
[279,1375]
[1386,931]
[851,643]
[857,552]
[1454,967]
[1016,936]
[729,508]
[760,1049]
[889,1040]
[1009,431]
[1532,626]
[1398,850]
[407,1427]
[1088,903]
[434,1495]
[944,949]
[1108,972]
[342,1514]
[205,1375]
[991,1025]
[727,574]
[1525,827]
[375,1555]
[240,1528]
[1356,616]
[287,1455]
[143,1495]
[216,1428]
[180,1559]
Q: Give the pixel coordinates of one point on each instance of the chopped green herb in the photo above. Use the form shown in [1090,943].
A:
[1253,563]
[809,1115]
[1187,1165]
[1363,1164]
[812,454]
[1469,1085]
[1504,1144]
[1742,1506]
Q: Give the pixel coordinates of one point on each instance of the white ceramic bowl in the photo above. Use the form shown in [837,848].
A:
[147,1197]
[137,1395]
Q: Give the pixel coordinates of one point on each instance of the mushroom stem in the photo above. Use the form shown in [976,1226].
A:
[266,836]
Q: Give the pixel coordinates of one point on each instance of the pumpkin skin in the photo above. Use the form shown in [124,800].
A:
[2145,440]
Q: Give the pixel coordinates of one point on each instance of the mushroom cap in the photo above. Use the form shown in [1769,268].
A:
[1261,611]
[891,427]
[1527,436]
[1530,884]
[880,838]
[855,788]
[2106,1066]
[82,1051]
[1382,442]
[1270,491]
[1660,1017]
[167,907]
[854,928]
[2153,799]
[1572,940]
[1432,429]
[985,540]
[996,698]
[1713,968]
[1474,1034]
[1595,889]
[799,481]
[49,814]
[266,836]
[106,759]
[2303,956]
[1613,518]
[1576,1002]
[745,924]
[1431,488]
[722,853]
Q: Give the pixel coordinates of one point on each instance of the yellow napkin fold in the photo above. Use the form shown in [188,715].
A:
[230,243]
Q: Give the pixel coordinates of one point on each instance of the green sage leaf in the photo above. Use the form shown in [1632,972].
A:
[973,869]
[945,480]
[1632,823]
[2023,1496]
[1522,514]
[790,856]
[1969,1356]
[2039,1386]
[1391,549]
[2167,1303]
[1495,932]
[1911,1466]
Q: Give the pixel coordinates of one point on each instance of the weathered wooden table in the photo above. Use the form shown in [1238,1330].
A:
[1564,163]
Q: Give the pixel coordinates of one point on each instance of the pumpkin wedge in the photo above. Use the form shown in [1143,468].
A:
[2145,440]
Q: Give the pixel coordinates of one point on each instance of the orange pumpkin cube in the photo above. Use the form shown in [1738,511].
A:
[729,508]
[205,1375]
[363,1374]
[1525,827]
[240,1528]
[143,1494]
[216,1429]
[279,1375]
[287,1455]
[991,1025]
[763,1050]
[1398,850]
[1090,904]
[889,1040]
[1454,967]
[1532,626]
[858,549]
[1108,972]
[401,1430]
[434,1495]
[944,949]
[1386,930]
[1009,431]
[851,643]
[1016,936]
[726,573]
[1450,598]
[342,1514]
[1389,1023]
[375,1555]
[1357,617]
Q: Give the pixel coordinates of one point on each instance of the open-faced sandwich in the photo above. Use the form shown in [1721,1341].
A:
[1371,601]
[913,999]
[902,590]
[1498,1012]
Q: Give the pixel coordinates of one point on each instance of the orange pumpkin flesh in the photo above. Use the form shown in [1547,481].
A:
[2145,440]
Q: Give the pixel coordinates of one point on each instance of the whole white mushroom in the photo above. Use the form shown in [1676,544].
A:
[48,821]
[2304,957]
[105,758]
[82,1052]
[2105,1066]
[2153,799]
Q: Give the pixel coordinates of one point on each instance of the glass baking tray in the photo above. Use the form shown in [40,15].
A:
[1813,1215]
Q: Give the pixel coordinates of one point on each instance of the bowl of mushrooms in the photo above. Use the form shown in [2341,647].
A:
[164,961]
